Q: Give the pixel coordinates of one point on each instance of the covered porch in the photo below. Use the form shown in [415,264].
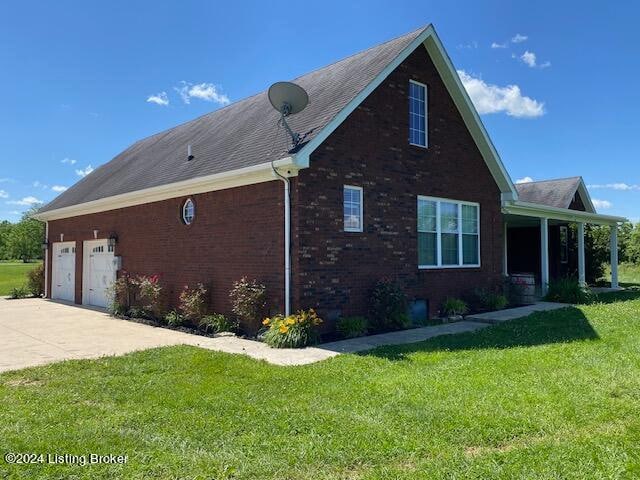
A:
[549,242]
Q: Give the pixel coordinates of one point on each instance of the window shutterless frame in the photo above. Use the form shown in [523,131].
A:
[415,115]
[438,201]
[361,210]
[188,211]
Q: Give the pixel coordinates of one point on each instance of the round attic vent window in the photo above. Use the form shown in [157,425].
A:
[188,212]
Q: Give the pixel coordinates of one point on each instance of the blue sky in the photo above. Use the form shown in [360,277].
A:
[555,81]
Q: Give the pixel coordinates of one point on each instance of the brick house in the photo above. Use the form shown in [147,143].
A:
[395,177]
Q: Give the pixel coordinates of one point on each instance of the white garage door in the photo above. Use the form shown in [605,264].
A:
[63,272]
[99,272]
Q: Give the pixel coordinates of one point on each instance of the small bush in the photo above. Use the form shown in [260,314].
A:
[249,301]
[193,302]
[569,290]
[454,306]
[217,323]
[490,300]
[18,292]
[294,331]
[388,307]
[137,312]
[149,292]
[174,318]
[35,281]
[350,327]
[121,294]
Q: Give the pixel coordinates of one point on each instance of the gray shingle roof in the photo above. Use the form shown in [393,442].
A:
[239,135]
[553,193]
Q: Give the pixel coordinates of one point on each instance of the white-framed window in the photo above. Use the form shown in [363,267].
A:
[448,233]
[188,211]
[353,200]
[417,113]
[564,244]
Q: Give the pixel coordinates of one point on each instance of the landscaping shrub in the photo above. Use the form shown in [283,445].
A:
[568,290]
[294,331]
[35,281]
[350,327]
[489,300]
[18,292]
[174,318]
[248,300]
[149,292]
[454,306]
[193,302]
[217,323]
[388,307]
[121,294]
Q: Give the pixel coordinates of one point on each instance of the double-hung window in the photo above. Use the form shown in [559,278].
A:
[352,209]
[448,233]
[417,114]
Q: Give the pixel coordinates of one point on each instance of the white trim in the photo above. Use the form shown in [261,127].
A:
[439,265]
[581,259]
[426,115]
[219,181]
[72,247]
[87,247]
[544,255]
[447,72]
[614,256]
[536,210]
[361,228]
[505,248]
[586,198]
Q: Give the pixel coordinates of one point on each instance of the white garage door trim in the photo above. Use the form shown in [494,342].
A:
[63,271]
[98,272]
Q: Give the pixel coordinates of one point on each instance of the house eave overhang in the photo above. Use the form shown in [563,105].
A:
[527,209]
[234,178]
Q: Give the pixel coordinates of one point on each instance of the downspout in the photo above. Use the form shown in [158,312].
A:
[287,241]
[46,259]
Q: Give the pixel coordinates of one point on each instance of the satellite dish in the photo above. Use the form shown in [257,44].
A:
[288,99]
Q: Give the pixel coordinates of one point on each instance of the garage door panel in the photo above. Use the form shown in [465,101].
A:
[99,272]
[63,271]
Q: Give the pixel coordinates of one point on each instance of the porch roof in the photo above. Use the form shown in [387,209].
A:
[528,209]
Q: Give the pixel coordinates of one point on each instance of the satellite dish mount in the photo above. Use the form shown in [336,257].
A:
[288,99]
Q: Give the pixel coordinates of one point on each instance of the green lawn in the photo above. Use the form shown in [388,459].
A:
[629,274]
[553,396]
[13,274]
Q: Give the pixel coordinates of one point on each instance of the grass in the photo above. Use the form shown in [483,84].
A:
[552,396]
[628,274]
[13,274]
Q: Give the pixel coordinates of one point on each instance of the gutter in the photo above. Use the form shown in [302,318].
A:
[544,211]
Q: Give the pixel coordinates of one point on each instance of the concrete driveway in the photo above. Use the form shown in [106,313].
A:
[36,332]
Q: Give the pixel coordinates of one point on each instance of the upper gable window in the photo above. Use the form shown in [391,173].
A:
[188,212]
[417,114]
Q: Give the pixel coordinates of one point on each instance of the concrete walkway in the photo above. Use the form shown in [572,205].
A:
[513,313]
[37,332]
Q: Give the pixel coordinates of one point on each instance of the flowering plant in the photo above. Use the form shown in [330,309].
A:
[193,302]
[295,331]
[149,292]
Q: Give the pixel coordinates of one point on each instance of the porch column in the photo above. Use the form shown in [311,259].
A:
[582,277]
[614,256]
[544,255]
[505,266]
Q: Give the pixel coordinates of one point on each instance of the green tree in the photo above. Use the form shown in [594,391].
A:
[5,230]
[25,238]
[633,250]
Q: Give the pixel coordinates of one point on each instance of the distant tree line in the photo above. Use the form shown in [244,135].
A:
[22,240]
[598,247]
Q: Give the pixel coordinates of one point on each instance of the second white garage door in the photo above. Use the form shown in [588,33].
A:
[99,272]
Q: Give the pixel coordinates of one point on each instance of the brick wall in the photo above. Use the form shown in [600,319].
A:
[334,270]
[236,232]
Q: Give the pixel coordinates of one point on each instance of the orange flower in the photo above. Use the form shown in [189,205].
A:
[284,329]
[266,321]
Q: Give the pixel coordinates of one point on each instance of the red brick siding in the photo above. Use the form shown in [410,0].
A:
[236,232]
[336,269]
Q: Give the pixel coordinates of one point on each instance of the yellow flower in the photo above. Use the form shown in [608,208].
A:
[290,320]
[284,329]
[266,321]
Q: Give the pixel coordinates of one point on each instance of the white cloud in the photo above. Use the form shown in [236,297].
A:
[489,98]
[471,45]
[204,91]
[70,161]
[3,194]
[601,204]
[84,172]
[14,212]
[529,58]
[524,180]
[159,99]
[26,201]
[546,64]
[614,186]
[499,45]
[517,38]
[7,180]
[58,188]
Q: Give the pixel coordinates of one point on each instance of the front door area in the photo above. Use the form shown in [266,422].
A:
[99,272]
